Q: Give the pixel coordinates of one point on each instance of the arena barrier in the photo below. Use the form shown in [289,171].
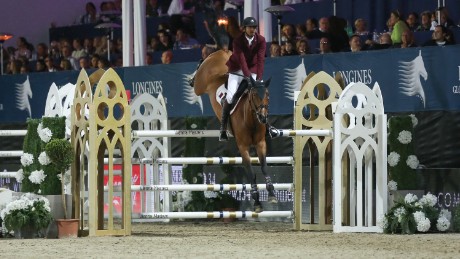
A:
[108,133]
[11,153]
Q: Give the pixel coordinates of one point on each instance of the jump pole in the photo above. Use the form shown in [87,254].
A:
[204,187]
[12,133]
[217,215]
[216,133]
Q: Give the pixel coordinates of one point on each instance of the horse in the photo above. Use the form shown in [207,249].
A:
[247,121]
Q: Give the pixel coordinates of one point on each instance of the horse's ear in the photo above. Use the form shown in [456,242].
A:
[267,83]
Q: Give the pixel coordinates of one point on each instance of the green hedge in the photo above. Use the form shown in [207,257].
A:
[34,145]
[401,173]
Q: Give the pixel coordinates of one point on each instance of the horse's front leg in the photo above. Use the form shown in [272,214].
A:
[261,153]
[252,178]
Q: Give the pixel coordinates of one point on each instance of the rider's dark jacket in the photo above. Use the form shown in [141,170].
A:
[250,59]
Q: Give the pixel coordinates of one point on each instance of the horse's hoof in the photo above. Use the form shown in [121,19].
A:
[272,199]
[258,209]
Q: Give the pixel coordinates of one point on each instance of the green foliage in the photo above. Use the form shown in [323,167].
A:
[456,218]
[402,174]
[32,145]
[61,154]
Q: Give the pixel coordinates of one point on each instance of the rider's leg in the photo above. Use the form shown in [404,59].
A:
[232,86]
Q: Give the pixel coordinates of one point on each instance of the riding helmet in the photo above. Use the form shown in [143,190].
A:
[249,22]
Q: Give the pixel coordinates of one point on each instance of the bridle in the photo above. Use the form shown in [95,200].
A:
[257,109]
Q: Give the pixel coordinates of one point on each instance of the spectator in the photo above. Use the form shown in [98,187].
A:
[287,33]
[78,50]
[311,26]
[42,52]
[103,63]
[55,52]
[361,27]
[94,61]
[275,50]
[355,43]
[407,39]
[67,54]
[301,32]
[337,34]
[166,57]
[91,15]
[398,27]
[88,46]
[40,65]
[24,49]
[425,24]
[153,9]
[24,69]
[184,41]
[84,63]
[412,21]
[289,49]
[148,59]
[65,65]
[165,41]
[439,38]
[153,44]
[14,67]
[324,45]
[324,25]
[302,47]
[442,15]
[181,15]
[50,67]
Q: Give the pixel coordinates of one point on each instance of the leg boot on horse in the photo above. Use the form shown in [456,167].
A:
[223,124]
[255,196]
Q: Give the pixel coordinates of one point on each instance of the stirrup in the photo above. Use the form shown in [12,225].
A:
[223,136]
[273,132]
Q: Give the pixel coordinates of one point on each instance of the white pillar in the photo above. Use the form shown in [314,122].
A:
[127,31]
[250,9]
[265,20]
[140,42]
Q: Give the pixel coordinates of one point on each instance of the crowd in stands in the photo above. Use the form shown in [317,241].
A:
[326,35]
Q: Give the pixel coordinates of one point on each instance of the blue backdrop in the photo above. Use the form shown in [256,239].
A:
[411,80]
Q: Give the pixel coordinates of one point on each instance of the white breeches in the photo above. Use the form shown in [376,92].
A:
[234,82]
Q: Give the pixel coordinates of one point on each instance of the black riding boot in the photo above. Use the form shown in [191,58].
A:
[223,124]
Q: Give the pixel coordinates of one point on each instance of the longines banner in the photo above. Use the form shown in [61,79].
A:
[411,80]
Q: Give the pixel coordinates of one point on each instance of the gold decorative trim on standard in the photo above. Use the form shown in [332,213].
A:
[232,215]
[232,187]
[232,161]
[210,215]
[255,215]
[210,187]
[209,161]
[254,160]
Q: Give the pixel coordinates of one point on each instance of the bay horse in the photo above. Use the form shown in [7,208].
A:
[248,120]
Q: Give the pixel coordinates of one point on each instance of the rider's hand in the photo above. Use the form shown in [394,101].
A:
[249,82]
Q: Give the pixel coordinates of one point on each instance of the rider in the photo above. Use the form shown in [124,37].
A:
[246,60]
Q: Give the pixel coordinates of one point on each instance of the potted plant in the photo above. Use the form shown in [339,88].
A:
[411,215]
[27,216]
[61,155]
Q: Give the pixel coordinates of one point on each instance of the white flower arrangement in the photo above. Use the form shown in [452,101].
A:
[27,159]
[413,215]
[44,159]
[45,134]
[412,161]
[37,176]
[392,185]
[393,159]
[414,120]
[19,176]
[405,137]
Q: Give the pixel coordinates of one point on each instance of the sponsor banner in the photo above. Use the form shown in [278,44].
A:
[411,80]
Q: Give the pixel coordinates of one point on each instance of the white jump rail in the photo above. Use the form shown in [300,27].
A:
[216,133]
[7,174]
[11,153]
[217,215]
[12,133]
[203,187]
[221,160]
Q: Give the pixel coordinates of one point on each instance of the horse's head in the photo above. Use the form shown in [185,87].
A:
[259,97]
